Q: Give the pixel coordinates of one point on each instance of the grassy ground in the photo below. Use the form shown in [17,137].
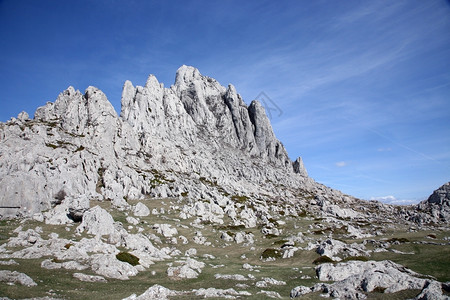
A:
[229,258]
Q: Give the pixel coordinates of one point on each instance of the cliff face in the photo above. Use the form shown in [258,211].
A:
[197,108]
[163,143]
[437,206]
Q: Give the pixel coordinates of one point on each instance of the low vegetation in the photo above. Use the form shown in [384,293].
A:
[128,258]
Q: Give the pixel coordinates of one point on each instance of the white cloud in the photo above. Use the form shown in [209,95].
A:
[392,200]
[341,164]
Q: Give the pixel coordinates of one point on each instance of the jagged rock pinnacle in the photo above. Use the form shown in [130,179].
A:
[79,147]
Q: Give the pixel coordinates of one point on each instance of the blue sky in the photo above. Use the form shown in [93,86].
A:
[363,86]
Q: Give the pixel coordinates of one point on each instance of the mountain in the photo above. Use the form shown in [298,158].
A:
[196,139]
[166,142]
[189,192]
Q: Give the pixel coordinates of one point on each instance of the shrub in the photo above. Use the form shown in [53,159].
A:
[128,258]
[379,289]
[239,199]
[322,260]
[270,254]
[360,258]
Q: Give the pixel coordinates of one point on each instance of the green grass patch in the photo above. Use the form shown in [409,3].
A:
[427,259]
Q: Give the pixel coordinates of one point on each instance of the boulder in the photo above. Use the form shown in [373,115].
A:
[155,292]
[165,230]
[190,268]
[109,266]
[354,279]
[433,290]
[14,277]
[335,249]
[141,210]
[97,221]
[89,278]
[220,293]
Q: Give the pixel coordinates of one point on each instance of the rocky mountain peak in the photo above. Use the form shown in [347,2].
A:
[76,112]
[200,108]
[78,145]
[437,206]
[441,196]
[186,75]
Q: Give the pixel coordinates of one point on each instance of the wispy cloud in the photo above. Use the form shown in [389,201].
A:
[392,200]
[341,164]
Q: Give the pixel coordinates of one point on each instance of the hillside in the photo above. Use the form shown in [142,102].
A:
[194,184]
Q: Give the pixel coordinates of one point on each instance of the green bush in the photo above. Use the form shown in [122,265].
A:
[239,199]
[379,289]
[128,258]
[271,254]
[322,260]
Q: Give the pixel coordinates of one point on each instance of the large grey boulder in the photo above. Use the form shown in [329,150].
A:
[155,292]
[338,250]
[109,266]
[353,279]
[190,268]
[141,210]
[97,221]
[13,277]
[166,230]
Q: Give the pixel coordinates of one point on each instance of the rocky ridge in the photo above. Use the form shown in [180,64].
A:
[196,139]
[436,208]
[184,172]
[165,140]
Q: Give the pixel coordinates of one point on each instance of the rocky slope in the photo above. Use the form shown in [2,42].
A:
[195,139]
[187,180]
[167,142]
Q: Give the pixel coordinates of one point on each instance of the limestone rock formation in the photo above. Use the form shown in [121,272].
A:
[12,277]
[97,221]
[79,148]
[355,278]
[436,207]
[155,292]
[190,165]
